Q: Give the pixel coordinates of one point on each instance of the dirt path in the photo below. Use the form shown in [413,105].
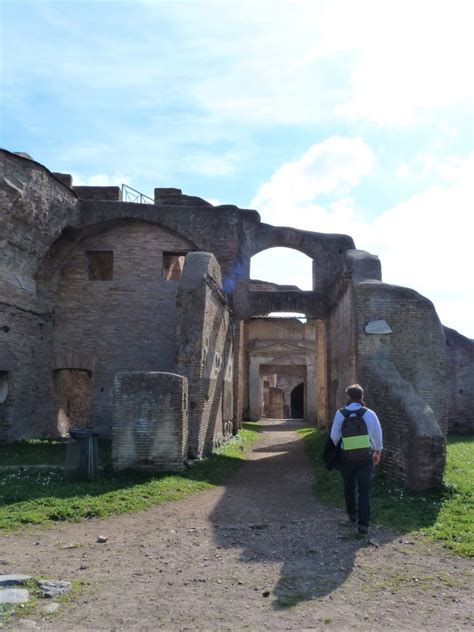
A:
[260,554]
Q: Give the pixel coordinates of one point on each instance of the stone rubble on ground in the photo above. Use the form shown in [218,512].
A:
[13,580]
[14,595]
[54,588]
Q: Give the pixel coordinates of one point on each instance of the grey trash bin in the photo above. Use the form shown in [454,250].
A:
[82,455]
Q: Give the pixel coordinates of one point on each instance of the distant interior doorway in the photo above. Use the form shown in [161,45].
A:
[297,401]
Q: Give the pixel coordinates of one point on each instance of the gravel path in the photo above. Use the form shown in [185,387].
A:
[259,554]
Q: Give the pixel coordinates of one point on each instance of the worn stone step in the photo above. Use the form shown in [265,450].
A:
[14,595]
[13,580]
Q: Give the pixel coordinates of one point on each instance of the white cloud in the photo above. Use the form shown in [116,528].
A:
[101,180]
[283,266]
[424,242]
[412,58]
[332,166]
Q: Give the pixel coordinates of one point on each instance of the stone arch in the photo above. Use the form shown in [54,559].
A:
[326,250]
[74,360]
[312,304]
[281,268]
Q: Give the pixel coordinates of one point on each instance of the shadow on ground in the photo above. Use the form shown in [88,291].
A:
[270,513]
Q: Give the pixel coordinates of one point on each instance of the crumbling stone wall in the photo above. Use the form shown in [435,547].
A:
[402,370]
[460,386]
[150,421]
[205,352]
[34,209]
[127,323]
[341,350]
[51,318]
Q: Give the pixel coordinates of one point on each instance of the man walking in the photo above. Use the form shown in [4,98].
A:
[361,434]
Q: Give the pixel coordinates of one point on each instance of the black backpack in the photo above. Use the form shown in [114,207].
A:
[355,436]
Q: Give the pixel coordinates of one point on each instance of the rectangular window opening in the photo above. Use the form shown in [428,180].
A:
[100,265]
[173,263]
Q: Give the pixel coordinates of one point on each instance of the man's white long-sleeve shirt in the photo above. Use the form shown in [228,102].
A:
[374,428]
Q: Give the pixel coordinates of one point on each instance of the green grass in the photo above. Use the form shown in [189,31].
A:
[44,452]
[40,497]
[446,515]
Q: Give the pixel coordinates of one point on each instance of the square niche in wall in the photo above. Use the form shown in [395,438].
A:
[173,263]
[100,265]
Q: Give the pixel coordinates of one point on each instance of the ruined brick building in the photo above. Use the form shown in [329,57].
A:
[140,321]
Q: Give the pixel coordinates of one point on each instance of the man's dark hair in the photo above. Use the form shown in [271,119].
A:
[355,392]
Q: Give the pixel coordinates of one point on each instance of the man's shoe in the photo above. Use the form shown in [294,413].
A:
[362,529]
[353,517]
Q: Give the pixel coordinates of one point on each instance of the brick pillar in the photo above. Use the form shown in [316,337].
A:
[150,421]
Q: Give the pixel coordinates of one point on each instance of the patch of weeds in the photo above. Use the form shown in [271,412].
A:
[6,612]
[446,515]
[42,497]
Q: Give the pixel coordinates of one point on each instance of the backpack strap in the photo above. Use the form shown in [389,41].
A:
[359,412]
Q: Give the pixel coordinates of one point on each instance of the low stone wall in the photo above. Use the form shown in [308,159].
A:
[150,421]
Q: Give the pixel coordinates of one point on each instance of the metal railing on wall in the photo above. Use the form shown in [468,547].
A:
[132,195]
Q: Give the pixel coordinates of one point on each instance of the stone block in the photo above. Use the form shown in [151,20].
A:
[54,588]
[13,580]
[378,327]
[150,421]
[14,595]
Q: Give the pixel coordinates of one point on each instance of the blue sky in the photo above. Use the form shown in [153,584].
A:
[334,115]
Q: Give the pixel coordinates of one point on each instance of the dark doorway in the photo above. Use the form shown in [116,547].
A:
[297,401]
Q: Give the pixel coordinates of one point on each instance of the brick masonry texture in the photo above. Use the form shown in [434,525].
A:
[150,421]
[64,337]
[128,323]
[205,353]
[460,369]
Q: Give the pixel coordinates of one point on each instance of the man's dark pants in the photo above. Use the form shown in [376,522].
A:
[357,473]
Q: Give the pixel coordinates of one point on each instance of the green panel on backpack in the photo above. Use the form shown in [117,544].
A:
[355,443]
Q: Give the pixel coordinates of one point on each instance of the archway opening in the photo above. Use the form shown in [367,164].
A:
[297,401]
[73,393]
[281,268]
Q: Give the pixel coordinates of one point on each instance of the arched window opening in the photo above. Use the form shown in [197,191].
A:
[281,267]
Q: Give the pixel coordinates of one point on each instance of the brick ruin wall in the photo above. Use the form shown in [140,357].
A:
[460,395]
[150,421]
[205,353]
[124,324]
[402,372]
[42,335]
[34,208]
[341,351]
